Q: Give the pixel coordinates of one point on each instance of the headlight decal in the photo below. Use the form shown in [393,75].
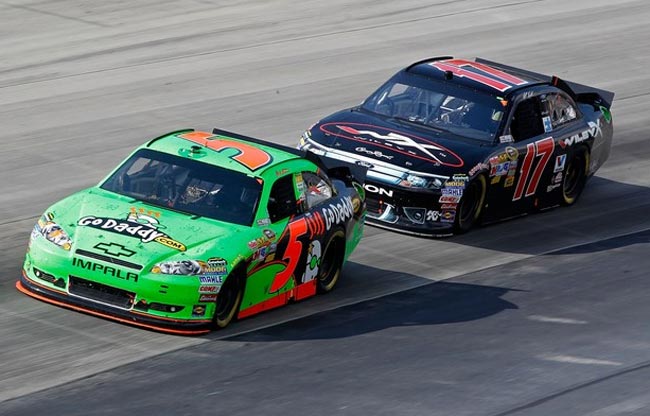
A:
[46,227]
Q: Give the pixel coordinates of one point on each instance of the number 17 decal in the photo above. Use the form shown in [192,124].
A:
[544,149]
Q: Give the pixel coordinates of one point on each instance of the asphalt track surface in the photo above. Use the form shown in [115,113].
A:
[541,315]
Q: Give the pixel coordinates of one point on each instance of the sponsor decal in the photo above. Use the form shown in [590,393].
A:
[375,153]
[433,216]
[557,178]
[510,180]
[209,288]
[495,180]
[383,139]
[548,126]
[263,222]
[262,253]
[337,213]
[479,167]
[281,172]
[144,227]
[198,310]
[313,261]
[448,215]
[356,204]
[551,187]
[449,199]
[211,279]
[300,184]
[594,130]
[259,242]
[208,298]
[365,164]
[374,189]
[270,234]
[216,266]
[512,153]
[448,206]
[506,139]
[559,163]
[315,224]
[500,169]
[114,249]
[453,191]
[105,270]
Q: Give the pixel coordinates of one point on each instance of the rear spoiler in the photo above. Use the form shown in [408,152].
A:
[578,92]
[339,169]
[347,172]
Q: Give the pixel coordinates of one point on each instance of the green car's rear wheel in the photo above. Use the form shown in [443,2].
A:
[331,262]
[228,301]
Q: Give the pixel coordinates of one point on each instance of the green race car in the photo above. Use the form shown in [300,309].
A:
[195,229]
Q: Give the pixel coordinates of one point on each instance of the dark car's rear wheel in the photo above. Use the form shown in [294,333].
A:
[331,262]
[469,209]
[228,301]
[575,176]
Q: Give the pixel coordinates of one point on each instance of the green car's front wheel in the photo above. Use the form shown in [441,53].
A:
[331,262]
[228,301]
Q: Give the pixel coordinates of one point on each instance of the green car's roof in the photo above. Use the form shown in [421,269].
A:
[225,149]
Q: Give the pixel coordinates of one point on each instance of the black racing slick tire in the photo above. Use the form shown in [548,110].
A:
[575,176]
[470,207]
[228,301]
[331,262]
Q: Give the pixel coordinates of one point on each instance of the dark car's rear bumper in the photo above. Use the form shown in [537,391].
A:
[131,317]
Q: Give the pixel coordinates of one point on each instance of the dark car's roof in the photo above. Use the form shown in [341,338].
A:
[477,74]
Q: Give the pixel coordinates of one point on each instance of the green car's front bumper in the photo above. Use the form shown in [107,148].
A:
[63,297]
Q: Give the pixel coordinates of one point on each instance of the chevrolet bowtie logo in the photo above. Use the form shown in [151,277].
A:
[113,249]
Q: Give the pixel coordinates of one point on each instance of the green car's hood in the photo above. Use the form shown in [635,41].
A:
[104,223]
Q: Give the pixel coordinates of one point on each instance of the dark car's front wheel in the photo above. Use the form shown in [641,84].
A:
[331,263]
[228,301]
[575,176]
[469,209]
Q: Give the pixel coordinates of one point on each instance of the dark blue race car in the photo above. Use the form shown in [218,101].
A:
[451,142]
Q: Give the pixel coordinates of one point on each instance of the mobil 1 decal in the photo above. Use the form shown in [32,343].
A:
[392,142]
[137,224]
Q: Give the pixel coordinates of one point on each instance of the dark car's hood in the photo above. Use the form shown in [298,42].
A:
[401,144]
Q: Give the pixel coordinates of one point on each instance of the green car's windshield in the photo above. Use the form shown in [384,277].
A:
[188,186]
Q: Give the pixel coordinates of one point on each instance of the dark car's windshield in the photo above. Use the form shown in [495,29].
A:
[428,102]
[188,186]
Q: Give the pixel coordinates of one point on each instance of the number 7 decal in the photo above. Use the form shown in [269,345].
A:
[543,148]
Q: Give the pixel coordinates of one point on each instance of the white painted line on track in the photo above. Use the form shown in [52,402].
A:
[571,359]
[550,319]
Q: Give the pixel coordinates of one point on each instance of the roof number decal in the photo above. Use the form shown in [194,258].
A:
[480,73]
[250,156]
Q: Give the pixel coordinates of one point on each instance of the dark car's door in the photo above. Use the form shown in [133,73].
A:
[519,166]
